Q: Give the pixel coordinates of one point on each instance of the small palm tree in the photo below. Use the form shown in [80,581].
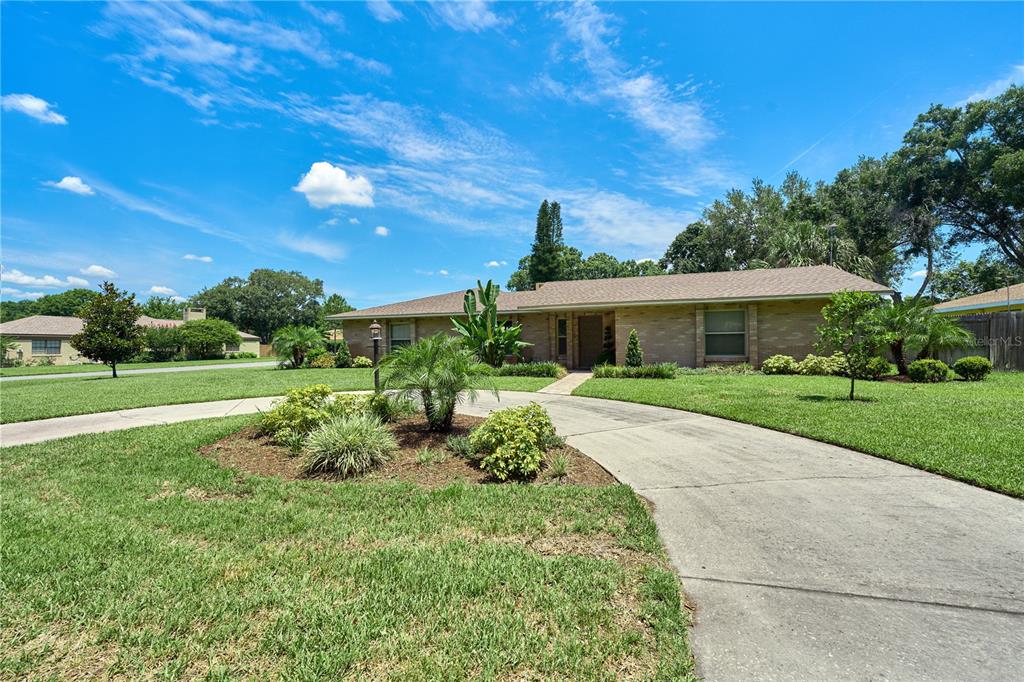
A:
[294,341]
[901,322]
[438,370]
[804,243]
[939,333]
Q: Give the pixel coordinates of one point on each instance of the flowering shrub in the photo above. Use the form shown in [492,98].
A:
[513,441]
[323,361]
[822,365]
[779,364]
[362,361]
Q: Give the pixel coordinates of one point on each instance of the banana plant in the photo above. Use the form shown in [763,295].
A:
[490,339]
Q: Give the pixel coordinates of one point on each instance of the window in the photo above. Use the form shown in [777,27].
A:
[400,336]
[563,337]
[725,332]
[231,348]
[45,346]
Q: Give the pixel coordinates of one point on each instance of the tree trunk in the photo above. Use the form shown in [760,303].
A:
[928,273]
[113,367]
[852,380]
[899,356]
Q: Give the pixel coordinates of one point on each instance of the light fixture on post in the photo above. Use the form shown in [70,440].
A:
[375,336]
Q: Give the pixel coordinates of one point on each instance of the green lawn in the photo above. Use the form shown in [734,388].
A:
[44,398]
[126,555]
[74,369]
[970,431]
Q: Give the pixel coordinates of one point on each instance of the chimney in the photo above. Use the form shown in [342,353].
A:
[193,314]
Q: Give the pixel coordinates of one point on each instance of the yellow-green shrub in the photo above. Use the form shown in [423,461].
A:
[513,441]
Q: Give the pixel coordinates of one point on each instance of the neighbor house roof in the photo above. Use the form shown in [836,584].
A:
[738,285]
[55,325]
[985,300]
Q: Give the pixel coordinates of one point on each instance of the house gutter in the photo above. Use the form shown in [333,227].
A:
[992,305]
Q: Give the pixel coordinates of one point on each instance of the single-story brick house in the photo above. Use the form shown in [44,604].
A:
[692,319]
[995,301]
[49,336]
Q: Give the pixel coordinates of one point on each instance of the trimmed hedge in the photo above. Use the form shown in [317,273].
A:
[928,371]
[664,370]
[531,369]
[973,368]
[779,364]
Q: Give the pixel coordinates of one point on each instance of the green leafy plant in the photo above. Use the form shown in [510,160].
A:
[390,408]
[973,367]
[490,339]
[558,465]
[513,441]
[110,333]
[295,341]
[205,339]
[902,322]
[940,333]
[304,409]
[876,368]
[607,355]
[851,329]
[245,354]
[731,368]
[664,370]
[431,456]
[438,370]
[928,371]
[348,446]
[323,361]
[634,354]
[531,369]
[362,362]
[461,447]
[342,354]
[163,343]
[779,364]
[822,365]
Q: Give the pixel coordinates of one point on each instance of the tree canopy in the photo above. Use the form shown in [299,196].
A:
[264,302]
[110,333]
[63,304]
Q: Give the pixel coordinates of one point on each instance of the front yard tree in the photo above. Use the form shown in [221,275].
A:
[295,341]
[634,355]
[205,339]
[490,339]
[850,327]
[544,258]
[110,333]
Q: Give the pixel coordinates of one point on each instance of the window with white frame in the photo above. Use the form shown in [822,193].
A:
[45,346]
[725,333]
[400,335]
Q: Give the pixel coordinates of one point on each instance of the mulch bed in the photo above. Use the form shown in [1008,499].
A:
[248,452]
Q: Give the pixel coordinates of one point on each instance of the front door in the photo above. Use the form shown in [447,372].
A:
[591,339]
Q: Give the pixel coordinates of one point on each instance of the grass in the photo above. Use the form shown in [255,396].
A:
[971,431]
[127,555]
[45,398]
[74,369]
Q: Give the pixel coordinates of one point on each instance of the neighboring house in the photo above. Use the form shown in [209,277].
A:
[995,301]
[692,319]
[49,336]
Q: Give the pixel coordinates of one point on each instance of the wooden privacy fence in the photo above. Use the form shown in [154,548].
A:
[998,336]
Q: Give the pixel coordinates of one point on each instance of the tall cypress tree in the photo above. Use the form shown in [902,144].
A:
[544,262]
[556,224]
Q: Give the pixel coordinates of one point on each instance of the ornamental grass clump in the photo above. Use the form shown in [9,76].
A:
[305,409]
[513,441]
[348,446]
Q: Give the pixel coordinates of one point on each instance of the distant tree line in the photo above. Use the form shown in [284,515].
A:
[958,179]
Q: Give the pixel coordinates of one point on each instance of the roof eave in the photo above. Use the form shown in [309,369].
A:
[980,306]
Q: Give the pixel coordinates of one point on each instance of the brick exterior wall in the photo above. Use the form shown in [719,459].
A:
[788,327]
[667,333]
[536,331]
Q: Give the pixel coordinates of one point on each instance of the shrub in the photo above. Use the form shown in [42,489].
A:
[348,446]
[323,361]
[483,369]
[664,370]
[491,340]
[634,354]
[558,465]
[461,447]
[390,408]
[205,339]
[531,369]
[779,364]
[430,456]
[245,354]
[342,354]
[295,341]
[362,361]
[607,356]
[512,441]
[731,368]
[822,365]
[304,409]
[163,343]
[973,368]
[928,371]
[875,368]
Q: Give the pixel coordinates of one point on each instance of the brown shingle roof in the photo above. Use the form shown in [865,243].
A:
[986,299]
[808,282]
[54,325]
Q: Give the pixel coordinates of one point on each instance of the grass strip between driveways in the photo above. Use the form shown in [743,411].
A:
[75,369]
[971,431]
[128,555]
[46,398]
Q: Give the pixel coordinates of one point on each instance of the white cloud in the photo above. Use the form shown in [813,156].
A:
[383,11]
[161,290]
[495,263]
[98,271]
[73,184]
[669,111]
[179,299]
[19,294]
[328,185]
[30,105]
[381,231]
[468,15]
[615,221]
[997,87]
[328,251]
[49,281]
[353,221]
[919,274]
[201,259]
[443,273]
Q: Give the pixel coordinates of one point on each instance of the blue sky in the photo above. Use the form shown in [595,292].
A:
[401,150]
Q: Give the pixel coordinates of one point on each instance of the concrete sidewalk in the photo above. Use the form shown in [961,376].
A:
[567,384]
[804,561]
[149,370]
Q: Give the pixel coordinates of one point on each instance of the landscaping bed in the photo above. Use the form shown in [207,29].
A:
[248,451]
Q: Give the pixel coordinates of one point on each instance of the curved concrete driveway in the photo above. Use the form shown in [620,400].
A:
[804,561]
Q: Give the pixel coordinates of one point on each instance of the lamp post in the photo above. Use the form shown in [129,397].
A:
[375,335]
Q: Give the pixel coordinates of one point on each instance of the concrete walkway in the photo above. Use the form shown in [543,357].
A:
[804,561]
[149,370]
[567,384]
